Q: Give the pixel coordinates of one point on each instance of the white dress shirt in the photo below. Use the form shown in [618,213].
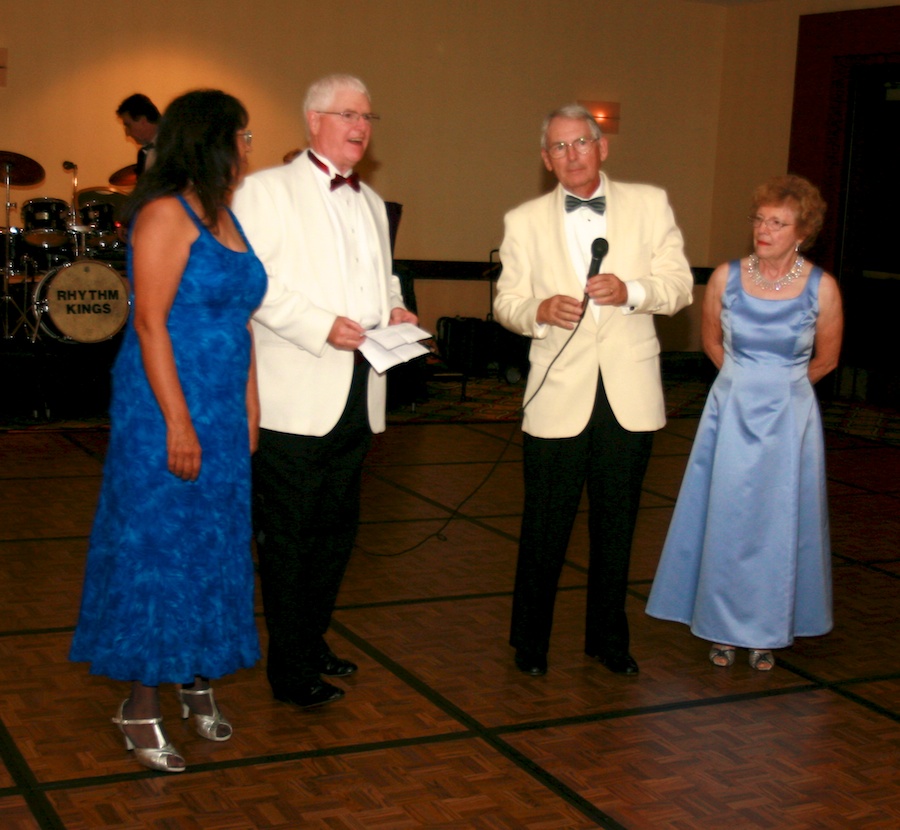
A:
[583,226]
[357,247]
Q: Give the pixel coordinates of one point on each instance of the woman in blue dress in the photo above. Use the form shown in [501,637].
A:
[168,590]
[747,559]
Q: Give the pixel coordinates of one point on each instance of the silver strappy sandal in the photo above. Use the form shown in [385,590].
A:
[154,757]
[208,726]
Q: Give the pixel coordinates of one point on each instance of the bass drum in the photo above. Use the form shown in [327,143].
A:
[82,302]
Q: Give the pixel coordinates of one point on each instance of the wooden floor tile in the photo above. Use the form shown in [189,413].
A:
[807,760]
[875,468]
[683,427]
[59,715]
[664,474]
[467,559]
[667,443]
[459,649]
[6,780]
[865,641]
[444,444]
[46,508]
[460,784]
[383,501]
[878,513]
[40,583]
[477,489]
[40,454]
[16,815]
[438,728]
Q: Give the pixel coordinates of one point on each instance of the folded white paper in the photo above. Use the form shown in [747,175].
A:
[393,345]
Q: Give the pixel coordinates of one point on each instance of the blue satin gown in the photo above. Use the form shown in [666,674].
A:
[747,559]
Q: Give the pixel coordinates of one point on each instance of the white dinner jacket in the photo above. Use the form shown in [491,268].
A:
[646,245]
[303,380]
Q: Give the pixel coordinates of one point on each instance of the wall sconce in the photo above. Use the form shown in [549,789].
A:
[606,114]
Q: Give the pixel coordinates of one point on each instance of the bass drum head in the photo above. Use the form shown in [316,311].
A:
[85,301]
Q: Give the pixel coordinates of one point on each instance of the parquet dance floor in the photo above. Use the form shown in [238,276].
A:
[438,729]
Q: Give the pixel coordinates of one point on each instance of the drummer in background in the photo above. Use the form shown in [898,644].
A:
[140,117]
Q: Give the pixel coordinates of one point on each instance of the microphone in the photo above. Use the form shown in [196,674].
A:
[69,165]
[599,249]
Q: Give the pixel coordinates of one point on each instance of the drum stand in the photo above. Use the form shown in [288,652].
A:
[72,225]
[19,170]
[11,309]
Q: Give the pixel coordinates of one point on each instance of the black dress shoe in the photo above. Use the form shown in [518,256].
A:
[309,695]
[333,666]
[530,662]
[618,663]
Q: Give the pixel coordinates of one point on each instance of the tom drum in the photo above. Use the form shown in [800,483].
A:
[100,218]
[85,302]
[45,222]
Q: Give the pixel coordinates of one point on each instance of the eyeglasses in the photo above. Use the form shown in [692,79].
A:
[352,117]
[771,223]
[561,148]
[247,135]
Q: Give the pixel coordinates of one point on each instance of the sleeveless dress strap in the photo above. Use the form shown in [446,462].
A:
[812,287]
[196,220]
[190,212]
[733,283]
[240,229]
[815,278]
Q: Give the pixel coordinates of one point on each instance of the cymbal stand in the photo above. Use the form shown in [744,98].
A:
[9,304]
[79,231]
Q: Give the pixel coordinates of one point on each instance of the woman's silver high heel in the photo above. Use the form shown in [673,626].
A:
[154,757]
[207,725]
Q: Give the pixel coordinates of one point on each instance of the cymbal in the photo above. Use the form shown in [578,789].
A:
[22,170]
[125,177]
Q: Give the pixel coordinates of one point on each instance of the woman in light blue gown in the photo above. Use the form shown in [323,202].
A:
[747,559]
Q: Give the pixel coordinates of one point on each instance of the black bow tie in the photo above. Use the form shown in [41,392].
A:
[597,205]
[338,180]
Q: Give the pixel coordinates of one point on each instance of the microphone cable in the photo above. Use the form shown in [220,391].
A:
[599,248]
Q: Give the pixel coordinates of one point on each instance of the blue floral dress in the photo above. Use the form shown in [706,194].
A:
[168,588]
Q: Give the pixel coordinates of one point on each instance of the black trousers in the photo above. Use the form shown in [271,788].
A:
[307,495]
[613,462]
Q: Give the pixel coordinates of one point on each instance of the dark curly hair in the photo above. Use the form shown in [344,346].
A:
[196,147]
[799,194]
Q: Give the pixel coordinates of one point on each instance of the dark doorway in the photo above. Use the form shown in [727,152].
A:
[845,131]
[868,255]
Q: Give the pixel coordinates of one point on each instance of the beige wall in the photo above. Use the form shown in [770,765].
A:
[755,118]
[461,84]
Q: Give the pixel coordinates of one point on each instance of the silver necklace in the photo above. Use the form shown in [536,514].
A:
[773,285]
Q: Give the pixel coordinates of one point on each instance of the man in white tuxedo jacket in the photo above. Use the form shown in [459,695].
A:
[594,393]
[323,237]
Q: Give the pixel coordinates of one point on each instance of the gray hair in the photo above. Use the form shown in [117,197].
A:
[570,111]
[321,93]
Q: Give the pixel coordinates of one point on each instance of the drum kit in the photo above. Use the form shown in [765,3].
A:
[57,280]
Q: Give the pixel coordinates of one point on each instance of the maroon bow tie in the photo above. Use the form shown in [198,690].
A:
[352,180]
[338,180]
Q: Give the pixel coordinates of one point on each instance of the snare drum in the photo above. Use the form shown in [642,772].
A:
[85,302]
[45,222]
